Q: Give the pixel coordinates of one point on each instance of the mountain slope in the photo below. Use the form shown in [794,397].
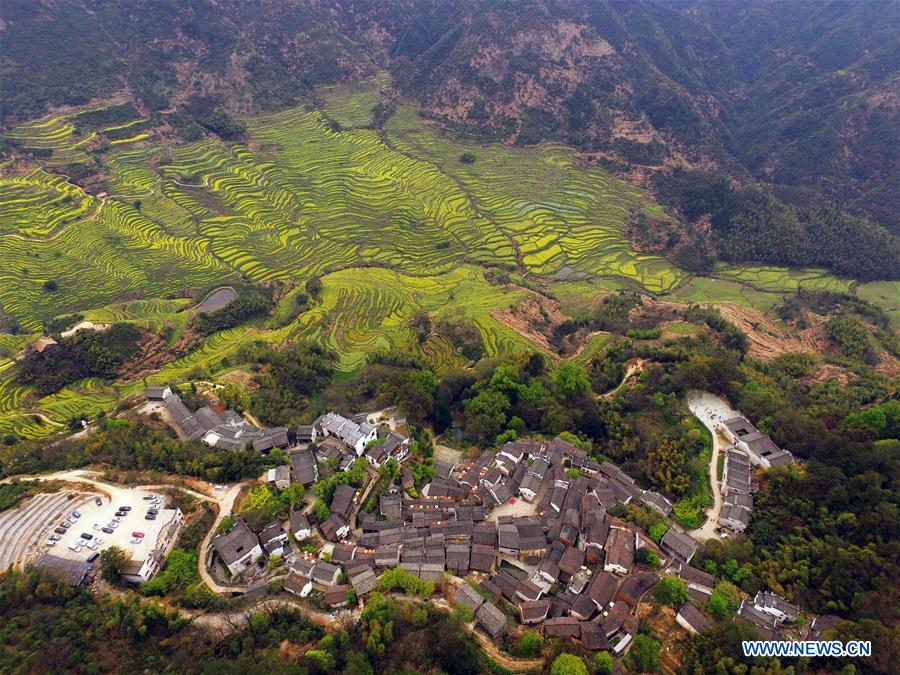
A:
[795,94]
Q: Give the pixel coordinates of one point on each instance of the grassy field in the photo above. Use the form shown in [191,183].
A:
[783,279]
[885,294]
[706,290]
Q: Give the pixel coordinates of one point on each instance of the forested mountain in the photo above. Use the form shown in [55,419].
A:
[800,98]
[802,94]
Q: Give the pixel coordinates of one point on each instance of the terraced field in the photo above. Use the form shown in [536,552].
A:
[555,213]
[704,290]
[353,106]
[394,223]
[154,315]
[35,204]
[365,310]
[784,279]
[54,140]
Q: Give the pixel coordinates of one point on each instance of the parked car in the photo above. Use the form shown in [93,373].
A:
[117,520]
[150,516]
[55,537]
[92,557]
[98,526]
[154,511]
[59,530]
[81,542]
[98,501]
[50,542]
[66,524]
[135,540]
[71,495]
[147,498]
[72,519]
[85,535]
[98,541]
[91,545]
[76,514]
[113,524]
[124,508]
[74,547]
[139,535]
[108,530]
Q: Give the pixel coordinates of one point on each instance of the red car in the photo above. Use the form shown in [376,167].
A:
[139,535]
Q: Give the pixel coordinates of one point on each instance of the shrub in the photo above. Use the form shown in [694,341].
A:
[603,664]
[529,645]
[644,655]
[671,591]
[568,664]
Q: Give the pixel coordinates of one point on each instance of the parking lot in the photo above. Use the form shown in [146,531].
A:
[31,530]
[24,530]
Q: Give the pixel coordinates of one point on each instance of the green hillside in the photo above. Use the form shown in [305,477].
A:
[396,222]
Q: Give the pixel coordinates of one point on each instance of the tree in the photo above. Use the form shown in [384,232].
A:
[647,556]
[51,286]
[657,531]
[486,414]
[724,600]
[568,664]
[529,644]
[467,157]
[313,286]
[603,664]
[111,562]
[666,467]
[671,591]
[644,654]
[571,380]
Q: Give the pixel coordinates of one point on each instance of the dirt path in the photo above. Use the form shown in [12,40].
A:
[226,504]
[230,621]
[710,410]
[504,660]
[635,367]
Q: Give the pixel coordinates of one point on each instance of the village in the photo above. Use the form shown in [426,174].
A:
[526,536]
[522,536]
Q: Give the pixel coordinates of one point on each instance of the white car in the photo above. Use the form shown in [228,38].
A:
[97,526]
[50,542]
[75,548]
[92,546]
[81,542]
[98,541]
[117,520]
[136,540]
[113,524]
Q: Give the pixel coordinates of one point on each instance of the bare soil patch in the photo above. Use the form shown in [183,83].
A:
[535,317]
[768,341]
[153,353]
